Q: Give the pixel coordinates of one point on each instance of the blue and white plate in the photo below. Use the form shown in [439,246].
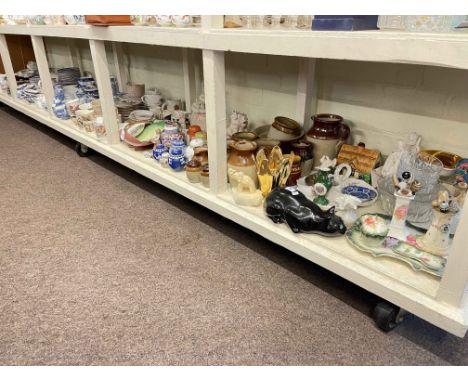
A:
[365,194]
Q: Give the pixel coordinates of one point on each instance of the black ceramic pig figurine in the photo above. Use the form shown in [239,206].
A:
[302,215]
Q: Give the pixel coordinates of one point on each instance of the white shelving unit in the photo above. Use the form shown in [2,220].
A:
[441,301]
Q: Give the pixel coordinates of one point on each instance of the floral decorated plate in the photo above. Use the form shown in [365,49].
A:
[418,259]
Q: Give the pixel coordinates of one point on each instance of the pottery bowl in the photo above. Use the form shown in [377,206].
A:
[244,136]
[141,115]
[449,160]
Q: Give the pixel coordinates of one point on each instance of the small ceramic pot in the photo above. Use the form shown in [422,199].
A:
[295,171]
[201,154]
[304,150]
[158,150]
[205,176]
[177,155]
[193,169]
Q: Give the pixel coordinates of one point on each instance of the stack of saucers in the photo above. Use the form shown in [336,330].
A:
[126,106]
[68,76]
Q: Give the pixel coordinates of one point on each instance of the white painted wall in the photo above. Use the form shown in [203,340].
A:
[382,102]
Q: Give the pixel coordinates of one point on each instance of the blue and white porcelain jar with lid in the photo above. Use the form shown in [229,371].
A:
[177,155]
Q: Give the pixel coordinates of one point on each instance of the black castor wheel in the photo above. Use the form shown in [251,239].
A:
[386,316]
[82,150]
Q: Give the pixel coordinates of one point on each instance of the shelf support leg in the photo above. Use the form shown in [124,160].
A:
[121,74]
[101,70]
[9,71]
[189,78]
[215,100]
[455,277]
[306,100]
[43,68]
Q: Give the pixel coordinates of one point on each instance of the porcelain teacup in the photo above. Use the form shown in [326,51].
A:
[152,100]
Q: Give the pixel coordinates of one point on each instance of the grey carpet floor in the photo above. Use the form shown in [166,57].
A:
[100,266]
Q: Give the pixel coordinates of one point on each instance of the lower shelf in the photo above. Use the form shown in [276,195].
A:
[388,278]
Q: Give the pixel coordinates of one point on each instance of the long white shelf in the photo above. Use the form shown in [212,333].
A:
[390,279]
[438,49]
[179,37]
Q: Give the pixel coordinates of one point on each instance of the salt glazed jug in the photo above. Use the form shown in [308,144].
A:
[327,134]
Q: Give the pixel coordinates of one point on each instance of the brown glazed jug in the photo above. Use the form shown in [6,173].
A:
[327,134]
[242,158]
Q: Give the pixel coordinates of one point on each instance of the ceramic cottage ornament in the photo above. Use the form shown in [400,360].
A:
[239,122]
[406,186]
[436,239]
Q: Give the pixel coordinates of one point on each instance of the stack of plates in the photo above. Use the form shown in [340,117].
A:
[126,106]
[68,76]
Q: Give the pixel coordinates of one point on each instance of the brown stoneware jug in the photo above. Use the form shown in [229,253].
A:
[327,134]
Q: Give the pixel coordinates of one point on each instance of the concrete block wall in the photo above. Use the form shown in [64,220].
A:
[382,101]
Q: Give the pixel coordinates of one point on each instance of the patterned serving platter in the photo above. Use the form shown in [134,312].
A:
[418,259]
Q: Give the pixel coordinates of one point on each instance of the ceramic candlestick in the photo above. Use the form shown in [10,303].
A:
[398,223]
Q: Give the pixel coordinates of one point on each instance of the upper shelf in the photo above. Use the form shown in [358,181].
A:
[178,37]
[437,49]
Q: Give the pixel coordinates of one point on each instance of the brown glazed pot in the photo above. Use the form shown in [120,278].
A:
[327,134]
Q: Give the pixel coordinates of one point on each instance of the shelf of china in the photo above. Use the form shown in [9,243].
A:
[441,301]
[390,277]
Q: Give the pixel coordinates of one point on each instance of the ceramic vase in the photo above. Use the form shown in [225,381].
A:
[170,134]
